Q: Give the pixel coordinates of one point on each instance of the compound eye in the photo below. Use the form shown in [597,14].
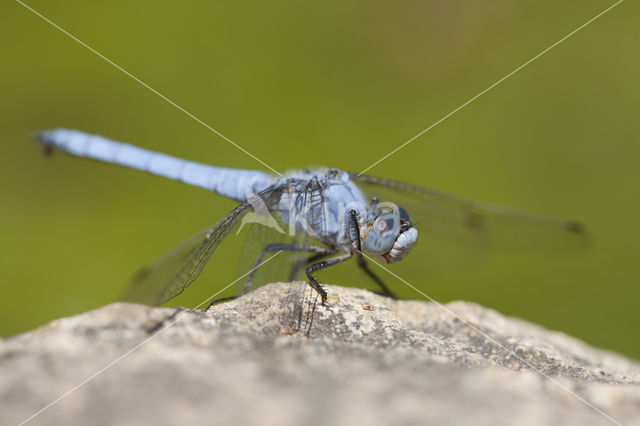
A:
[404,215]
[383,233]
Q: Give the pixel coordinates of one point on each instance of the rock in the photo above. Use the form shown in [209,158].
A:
[270,358]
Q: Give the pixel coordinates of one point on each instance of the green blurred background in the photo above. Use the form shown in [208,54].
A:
[324,83]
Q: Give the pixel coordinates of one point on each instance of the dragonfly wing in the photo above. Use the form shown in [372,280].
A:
[170,274]
[442,215]
[294,243]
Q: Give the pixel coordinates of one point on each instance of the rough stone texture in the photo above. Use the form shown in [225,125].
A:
[261,359]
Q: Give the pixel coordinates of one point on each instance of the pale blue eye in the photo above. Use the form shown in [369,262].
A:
[383,233]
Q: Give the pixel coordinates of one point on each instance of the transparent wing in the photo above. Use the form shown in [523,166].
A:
[299,198]
[290,263]
[173,272]
[439,215]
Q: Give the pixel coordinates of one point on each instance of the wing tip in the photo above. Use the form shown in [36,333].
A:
[576,227]
[580,231]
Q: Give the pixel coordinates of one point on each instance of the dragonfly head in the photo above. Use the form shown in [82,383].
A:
[389,235]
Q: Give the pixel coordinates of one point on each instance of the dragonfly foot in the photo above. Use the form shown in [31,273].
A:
[386,293]
[160,324]
[223,299]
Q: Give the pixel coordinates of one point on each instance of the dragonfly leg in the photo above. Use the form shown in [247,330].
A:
[355,235]
[319,252]
[322,265]
[303,264]
[384,290]
[222,299]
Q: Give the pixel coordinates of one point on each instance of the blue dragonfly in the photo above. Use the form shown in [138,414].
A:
[319,217]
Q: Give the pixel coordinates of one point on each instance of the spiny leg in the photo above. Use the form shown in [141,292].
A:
[384,289]
[303,264]
[320,251]
[355,237]
[322,265]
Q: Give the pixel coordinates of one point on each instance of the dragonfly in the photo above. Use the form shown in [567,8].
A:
[320,217]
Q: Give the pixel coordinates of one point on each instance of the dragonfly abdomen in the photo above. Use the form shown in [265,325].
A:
[232,183]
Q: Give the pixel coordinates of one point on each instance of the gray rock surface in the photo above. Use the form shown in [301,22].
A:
[270,359]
